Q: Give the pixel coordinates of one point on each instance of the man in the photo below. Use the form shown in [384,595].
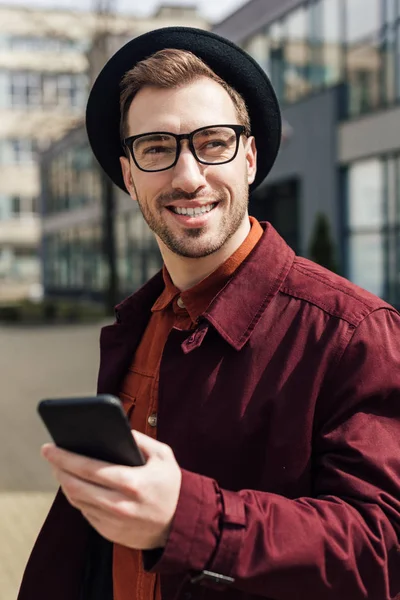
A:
[271,384]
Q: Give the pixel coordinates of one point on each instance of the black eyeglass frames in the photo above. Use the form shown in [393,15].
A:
[160,150]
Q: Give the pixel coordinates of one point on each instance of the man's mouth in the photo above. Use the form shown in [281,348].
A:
[192,212]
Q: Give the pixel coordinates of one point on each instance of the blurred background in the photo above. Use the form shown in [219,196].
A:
[72,245]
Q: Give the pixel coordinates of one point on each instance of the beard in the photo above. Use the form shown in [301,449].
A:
[196,242]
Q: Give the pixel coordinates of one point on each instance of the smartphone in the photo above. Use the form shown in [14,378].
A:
[95,426]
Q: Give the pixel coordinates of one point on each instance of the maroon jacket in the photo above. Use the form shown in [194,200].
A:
[283,410]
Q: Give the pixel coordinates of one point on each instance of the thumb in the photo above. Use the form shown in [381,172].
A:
[150,447]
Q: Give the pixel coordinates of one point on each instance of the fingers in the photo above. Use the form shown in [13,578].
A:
[97,472]
[89,497]
[149,446]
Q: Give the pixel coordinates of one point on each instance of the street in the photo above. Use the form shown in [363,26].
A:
[35,363]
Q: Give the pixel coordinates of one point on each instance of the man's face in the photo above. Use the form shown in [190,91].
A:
[189,184]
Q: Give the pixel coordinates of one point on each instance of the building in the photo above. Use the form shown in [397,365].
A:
[76,237]
[74,260]
[335,65]
[47,60]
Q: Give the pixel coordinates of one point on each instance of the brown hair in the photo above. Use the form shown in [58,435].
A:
[168,69]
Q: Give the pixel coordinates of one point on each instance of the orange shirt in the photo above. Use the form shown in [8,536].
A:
[139,393]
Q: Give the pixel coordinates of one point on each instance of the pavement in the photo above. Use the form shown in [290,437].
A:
[35,363]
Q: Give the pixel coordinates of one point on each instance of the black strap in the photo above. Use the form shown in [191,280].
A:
[97,583]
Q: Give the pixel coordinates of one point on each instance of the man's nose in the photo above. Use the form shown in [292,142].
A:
[188,172]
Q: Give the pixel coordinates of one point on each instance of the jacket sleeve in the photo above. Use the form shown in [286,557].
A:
[343,541]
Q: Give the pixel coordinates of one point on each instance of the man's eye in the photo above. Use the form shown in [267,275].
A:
[216,144]
[157,150]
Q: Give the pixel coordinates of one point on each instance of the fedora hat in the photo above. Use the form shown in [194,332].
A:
[227,60]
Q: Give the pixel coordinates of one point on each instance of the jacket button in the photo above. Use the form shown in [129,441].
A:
[152,420]
[180,302]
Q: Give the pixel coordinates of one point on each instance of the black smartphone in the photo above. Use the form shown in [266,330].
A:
[95,426]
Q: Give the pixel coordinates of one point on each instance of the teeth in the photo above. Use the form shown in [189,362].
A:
[191,212]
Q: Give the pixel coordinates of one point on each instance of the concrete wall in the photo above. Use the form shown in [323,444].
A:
[370,135]
[252,16]
[310,154]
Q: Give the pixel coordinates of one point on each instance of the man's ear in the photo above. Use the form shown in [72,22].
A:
[251,158]
[127,175]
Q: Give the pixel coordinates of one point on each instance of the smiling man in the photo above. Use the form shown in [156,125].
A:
[263,390]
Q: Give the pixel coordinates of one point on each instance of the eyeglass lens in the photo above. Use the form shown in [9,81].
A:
[158,151]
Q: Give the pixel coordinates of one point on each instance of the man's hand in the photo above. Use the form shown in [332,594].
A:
[132,506]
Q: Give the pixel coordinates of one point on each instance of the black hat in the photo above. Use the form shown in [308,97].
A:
[226,59]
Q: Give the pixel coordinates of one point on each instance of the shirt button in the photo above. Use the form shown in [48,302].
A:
[152,420]
[180,302]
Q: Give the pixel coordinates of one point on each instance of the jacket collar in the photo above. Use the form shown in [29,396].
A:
[236,309]
[234,312]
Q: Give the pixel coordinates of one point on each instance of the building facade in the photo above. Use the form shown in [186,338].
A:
[75,244]
[335,65]
[74,261]
[47,60]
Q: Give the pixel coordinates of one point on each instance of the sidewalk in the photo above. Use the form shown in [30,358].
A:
[35,363]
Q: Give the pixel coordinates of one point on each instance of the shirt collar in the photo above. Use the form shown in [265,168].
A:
[197,299]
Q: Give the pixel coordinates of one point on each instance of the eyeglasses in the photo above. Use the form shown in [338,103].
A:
[160,150]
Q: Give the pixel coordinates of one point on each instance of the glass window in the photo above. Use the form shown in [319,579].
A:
[363,18]
[397,60]
[73,179]
[367,262]
[17,151]
[326,42]
[333,36]
[389,65]
[258,47]
[32,89]
[5,97]
[364,77]
[366,194]
[5,207]
[26,264]
[374,226]
[32,43]
[16,205]
[26,89]
[390,11]
[277,58]
[296,53]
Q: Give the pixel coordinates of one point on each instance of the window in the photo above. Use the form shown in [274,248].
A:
[26,264]
[367,262]
[277,58]
[296,52]
[73,179]
[334,38]
[390,11]
[22,43]
[4,89]
[388,65]
[5,207]
[397,59]
[373,226]
[363,18]
[365,219]
[366,189]
[34,90]
[25,89]
[364,77]
[258,47]
[17,151]
[16,205]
